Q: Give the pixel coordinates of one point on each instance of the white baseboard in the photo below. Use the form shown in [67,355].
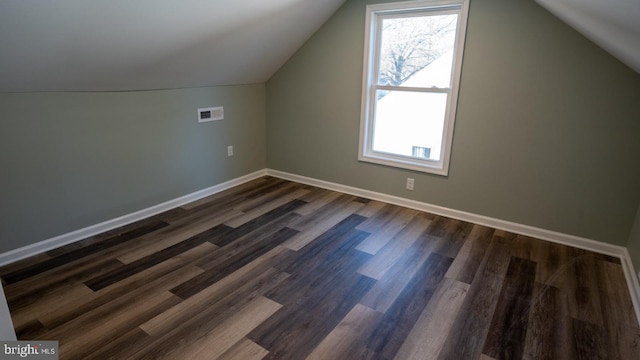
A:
[538,233]
[632,281]
[49,244]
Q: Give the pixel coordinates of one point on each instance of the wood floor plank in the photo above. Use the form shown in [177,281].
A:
[232,243]
[524,248]
[113,233]
[616,303]
[258,222]
[161,277]
[124,346]
[21,264]
[272,184]
[389,287]
[387,256]
[227,333]
[319,199]
[397,322]
[273,269]
[370,208]
[425,340]
[128,311]
[507,332]
[585,299]
[295,330]
[382,218]
[228,201]
[233,193]
[92,338]
[454,231]
[225,205]
[222,270]
[313,225]
[470,328]
[314,278]
[257,203]
[309,234]
[394,222]
[65,297]
[547,331]
[33,329]
[279,201]
[258,271]
[333,242]
[611,285]
[448,228]
[589,341]
[465,266]
[174,234]
[244,349]
[547,255]
[126,270]
[349,336]
[66,258]
[59,279]
[202,323]
[318,294]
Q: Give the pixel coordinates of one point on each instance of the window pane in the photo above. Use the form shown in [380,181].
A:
[410,124]
[417,51]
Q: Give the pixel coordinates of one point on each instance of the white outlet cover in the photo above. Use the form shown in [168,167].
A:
[410,183]
[210,114]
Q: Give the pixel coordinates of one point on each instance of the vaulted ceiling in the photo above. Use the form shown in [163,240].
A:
[97,45]
[612,24]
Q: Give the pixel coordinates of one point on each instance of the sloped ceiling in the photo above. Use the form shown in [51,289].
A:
[98,45]
[612,24]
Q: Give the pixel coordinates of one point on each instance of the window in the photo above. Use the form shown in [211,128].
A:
[413,58]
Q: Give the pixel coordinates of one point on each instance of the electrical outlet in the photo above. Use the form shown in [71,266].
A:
[410,183]
[230,150]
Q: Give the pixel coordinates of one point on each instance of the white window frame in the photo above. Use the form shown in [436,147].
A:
[369,86]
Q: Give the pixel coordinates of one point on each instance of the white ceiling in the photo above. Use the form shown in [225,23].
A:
[102,45]
[612,24]
[98,45]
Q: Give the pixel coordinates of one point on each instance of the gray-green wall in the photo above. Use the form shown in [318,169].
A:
[71,160]
[547,132]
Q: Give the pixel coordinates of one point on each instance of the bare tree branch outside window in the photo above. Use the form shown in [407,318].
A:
[410,44]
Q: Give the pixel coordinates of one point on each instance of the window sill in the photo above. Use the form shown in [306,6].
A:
[431,167]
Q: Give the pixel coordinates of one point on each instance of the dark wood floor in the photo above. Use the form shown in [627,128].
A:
[278,270]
